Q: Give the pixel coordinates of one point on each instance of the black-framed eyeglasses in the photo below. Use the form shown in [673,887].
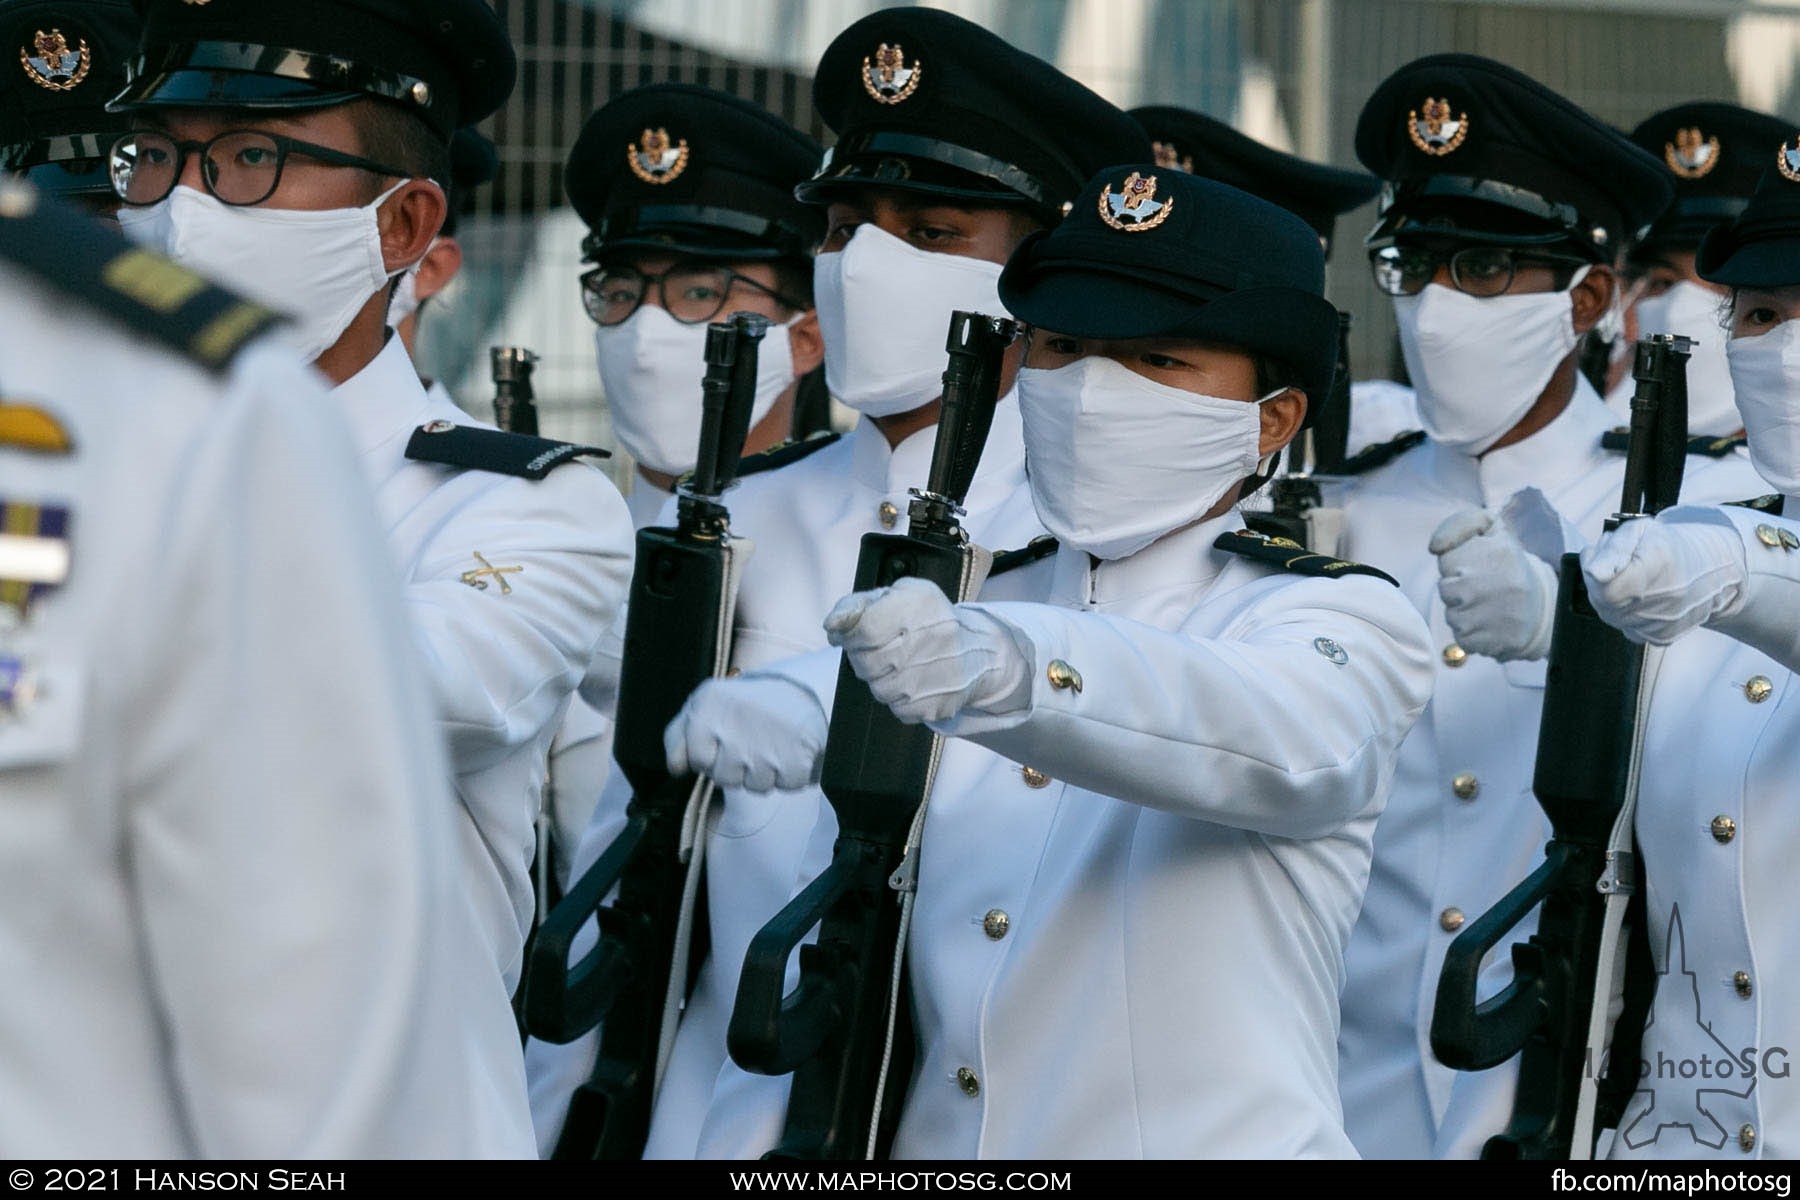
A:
[240,166]
[1475,270]
[692,293]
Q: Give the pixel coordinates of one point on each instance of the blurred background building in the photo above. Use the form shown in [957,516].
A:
[1292,73]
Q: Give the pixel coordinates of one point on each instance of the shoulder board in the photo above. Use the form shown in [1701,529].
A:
[1619,440]
[1763,504]
[1380,454]
[1036,550]
[454,445]
[138,288]
[1291,556]
[776,457]
[1291,529]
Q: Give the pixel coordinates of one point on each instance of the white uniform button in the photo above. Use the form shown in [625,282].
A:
[1455,655]
[1451,920]
[1063,677]
[889,514]
[1723,829]
[1741,982]
[1466,786]
[996,923]
[1758,689]
[439,426]
[1034,778]
[1747,1138]
[971,1086]
[1767,535]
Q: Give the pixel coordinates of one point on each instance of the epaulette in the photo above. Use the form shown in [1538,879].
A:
[453,445]
[1036,550]
[1380,454]
[1292,556]
[1619,440]
[140,289]
[1762,504]
[776,457]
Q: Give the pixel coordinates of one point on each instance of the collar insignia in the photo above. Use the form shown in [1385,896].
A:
[887,78]
[1135,208]
[1787,160]
[54,65]
[1167,156]
[1435,133]
[1691,155]
[653,159]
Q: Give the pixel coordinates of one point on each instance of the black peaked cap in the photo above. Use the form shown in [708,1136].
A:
[1761,248]
[1715,153]
[473,162]
[691,170]
[60,62]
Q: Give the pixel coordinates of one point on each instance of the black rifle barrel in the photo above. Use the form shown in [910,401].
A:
[515,406]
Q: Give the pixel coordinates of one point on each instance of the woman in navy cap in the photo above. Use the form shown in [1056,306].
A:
[1716,822]
[1141,957]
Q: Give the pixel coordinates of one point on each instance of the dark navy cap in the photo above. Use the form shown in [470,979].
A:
[925,101]
[1200,145]
[1715,152]
[1153,252]
[60,62]
[1472,149]
[447,61]
[473,162]
[1761,248]
[691,170]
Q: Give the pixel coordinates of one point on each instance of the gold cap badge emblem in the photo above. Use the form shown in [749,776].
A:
[1691,155]
[1135,207]
[1168,156]
[887,78]
[653,159]
[1435,132]
[54,65]
[1787,160]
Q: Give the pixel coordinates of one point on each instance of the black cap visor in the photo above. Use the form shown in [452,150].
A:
[1483,211]
[911,162]
[232,75]
[696,229]
[1769,262]
[73,177]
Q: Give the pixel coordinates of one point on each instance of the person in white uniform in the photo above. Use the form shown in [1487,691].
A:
[1505,206]
[1716,824]
[952,147]
[231,918]
[315,199]
[1213,717]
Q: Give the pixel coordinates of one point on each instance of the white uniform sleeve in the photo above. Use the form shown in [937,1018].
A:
[1768,616]
[1260,729]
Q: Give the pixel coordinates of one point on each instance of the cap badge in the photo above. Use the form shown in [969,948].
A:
[1136,207]
[1168,156]
[888,79]
[1787,160]
[55,66]
[1691,155]
[1435,133]
[653,159]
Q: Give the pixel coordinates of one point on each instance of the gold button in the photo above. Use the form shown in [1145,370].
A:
[971,1086]
[16,200]
[995,924]
[1451,920]
[1723,829]
[1455,655]
[889,514]
[1747,1138]
[421,93]
[439,426]
[1034,778]
[1758,689]
[1063,677]
[1741,981]
[1767,535]
[1789,540]
[1465,786]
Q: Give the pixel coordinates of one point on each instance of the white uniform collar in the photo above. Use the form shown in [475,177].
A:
[1561,450]
[384,400]
[895,471]
[1183,559]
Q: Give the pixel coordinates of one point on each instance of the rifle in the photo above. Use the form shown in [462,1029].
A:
[677,634]
[845,1032]
[1298,509]
[515,407]
[1553,1011]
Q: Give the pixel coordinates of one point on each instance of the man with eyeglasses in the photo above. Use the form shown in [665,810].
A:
[1504,207]
[70,58]
[293,150]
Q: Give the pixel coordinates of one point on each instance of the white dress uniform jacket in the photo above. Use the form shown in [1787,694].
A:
[1462,826]
[505,657]
[1140,956]
[230,921]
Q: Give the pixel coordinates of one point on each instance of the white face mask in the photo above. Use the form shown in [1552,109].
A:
[406,298]
[1693,311]
[1116,460]
[1765,374]
[1478,365]
[319,268]
[651,366]
[884,311]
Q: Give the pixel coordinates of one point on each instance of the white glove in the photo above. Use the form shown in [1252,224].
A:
[753,732]
[1499,598]
[926,658]
[1655,580]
